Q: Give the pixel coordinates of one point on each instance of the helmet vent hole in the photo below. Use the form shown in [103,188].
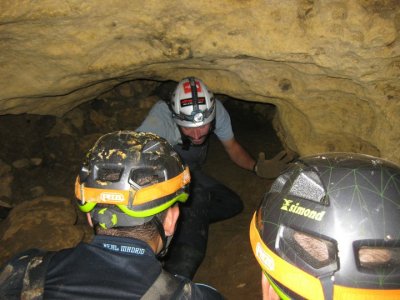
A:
[312,253]
[147,176]
[315,248]
[378,258]
[108,174]
[308,186]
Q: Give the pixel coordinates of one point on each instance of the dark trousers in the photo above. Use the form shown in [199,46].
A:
[209,201]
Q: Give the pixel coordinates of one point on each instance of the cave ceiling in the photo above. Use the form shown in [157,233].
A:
[331,68]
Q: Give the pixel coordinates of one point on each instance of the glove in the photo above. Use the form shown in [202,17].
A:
[273,168]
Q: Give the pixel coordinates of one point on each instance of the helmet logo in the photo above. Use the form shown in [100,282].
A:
[189,101]
[302,211]
[114,197]
[267,260]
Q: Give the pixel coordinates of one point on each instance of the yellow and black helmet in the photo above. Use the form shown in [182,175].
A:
[329,228]
[128,177]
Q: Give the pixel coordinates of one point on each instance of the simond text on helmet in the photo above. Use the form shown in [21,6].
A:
[303,211]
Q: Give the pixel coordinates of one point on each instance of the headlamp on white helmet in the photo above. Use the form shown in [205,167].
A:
[192,104]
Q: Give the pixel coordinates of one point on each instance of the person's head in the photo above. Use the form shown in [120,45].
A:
[128,185]
[193,109]
[329,228]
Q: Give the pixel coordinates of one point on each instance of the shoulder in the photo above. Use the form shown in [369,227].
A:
[12,273]
[221,113]
[223,126]
[159,121]
[220,107]
[160,106]
[160,112]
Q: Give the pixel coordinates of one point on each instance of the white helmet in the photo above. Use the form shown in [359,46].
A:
[192,104]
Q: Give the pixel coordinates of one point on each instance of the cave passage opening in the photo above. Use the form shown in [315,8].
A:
[42,153]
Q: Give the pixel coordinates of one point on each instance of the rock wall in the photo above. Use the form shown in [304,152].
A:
[330,67]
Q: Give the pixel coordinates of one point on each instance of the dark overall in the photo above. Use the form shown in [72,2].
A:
[210,201]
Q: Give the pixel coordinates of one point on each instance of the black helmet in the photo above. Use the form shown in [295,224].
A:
[137,174]
[329,228]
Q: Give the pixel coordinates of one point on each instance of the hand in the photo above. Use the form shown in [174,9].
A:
[272,168]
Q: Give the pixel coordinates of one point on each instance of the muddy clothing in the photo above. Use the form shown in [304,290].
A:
[210,201]
[107,268]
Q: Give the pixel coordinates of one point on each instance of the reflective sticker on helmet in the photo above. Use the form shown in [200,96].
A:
[188,90]
[189,101]
[112,197]
[302,211]
[267,260]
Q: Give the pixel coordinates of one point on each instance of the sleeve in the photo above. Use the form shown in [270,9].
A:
[223,126]
[160,122]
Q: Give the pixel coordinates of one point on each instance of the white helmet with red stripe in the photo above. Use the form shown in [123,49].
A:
[192,104]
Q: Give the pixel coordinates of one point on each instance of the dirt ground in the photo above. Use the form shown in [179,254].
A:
[229,265]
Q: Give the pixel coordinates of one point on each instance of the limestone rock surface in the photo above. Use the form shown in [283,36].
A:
[47,222]
[330,67]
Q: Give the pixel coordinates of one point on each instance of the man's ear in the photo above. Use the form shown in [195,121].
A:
[170,220]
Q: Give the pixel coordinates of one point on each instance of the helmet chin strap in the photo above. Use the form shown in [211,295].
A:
[166,240]
[327,284]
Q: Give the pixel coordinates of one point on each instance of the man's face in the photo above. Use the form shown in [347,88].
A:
[197,135]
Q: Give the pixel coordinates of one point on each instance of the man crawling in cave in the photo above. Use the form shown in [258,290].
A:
[186,121]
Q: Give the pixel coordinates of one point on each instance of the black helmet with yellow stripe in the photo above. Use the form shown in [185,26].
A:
[128,177]
[329,228]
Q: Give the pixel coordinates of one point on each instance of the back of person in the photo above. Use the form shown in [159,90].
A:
[70,275]
[128,186]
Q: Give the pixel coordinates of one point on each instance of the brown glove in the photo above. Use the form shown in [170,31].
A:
[272,168]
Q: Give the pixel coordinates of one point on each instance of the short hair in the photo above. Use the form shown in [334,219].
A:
[146,232]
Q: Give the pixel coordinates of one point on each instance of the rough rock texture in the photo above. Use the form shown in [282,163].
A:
[47,222]
[331,67]
[51,158]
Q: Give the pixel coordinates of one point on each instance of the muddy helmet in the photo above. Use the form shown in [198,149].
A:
[192,104]
[329,228]
[128,177]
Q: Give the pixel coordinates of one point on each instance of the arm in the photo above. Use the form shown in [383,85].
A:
[263,168]
[238,154]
